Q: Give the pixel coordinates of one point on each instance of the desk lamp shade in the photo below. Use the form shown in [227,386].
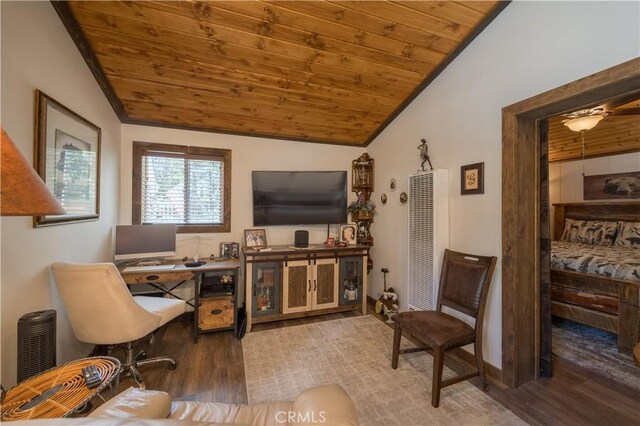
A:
[22,191]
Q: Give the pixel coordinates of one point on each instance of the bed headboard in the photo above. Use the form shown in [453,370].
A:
[628,211]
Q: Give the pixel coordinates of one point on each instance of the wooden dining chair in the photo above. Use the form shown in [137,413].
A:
[464,286]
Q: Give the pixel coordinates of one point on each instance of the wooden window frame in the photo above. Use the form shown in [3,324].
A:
[140,148]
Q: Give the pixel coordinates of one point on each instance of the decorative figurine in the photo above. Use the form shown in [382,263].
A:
[387,303]
[424,154]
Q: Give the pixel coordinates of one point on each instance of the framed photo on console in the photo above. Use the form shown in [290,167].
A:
[348,234]
[67,157]
[255,238]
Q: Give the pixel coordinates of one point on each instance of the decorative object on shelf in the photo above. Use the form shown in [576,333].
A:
[67,157]
[383,199]
[331,242]
[622,186]
[362,209]
[403,198]
[23,192]
[387,303]
[362,169]
[348,234]
[255,238]
[472,179]
[392,185]
[424,154]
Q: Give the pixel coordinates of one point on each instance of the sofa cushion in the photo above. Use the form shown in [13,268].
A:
[328,404]
[628,235]
[256,414]
[136,403]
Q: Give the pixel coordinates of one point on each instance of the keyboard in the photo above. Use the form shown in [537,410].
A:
[148,268]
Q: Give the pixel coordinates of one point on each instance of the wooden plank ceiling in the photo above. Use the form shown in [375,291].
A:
[320,71]
[617,133]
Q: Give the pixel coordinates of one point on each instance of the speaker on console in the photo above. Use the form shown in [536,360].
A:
[301,239]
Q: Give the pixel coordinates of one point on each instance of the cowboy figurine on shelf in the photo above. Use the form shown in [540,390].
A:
[424,154]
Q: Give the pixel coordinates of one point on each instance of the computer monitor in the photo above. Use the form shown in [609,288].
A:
[143,241]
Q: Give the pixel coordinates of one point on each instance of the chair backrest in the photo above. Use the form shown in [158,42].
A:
[99,306]
[464,282]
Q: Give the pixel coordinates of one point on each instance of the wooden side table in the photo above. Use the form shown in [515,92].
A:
[58,391]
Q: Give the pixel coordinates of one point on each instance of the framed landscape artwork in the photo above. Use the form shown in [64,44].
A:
[67,155]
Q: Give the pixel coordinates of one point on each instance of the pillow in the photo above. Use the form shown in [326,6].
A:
[136,403]
[594,232]
[572,228]
[628,234]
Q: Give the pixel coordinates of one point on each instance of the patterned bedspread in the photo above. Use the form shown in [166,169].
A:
[613,262]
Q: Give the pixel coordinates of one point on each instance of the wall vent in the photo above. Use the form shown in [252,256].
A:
[428,236]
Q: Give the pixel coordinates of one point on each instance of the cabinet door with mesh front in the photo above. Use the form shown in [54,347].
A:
[325,284]
[296,283]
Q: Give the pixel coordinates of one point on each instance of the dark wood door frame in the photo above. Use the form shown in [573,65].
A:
[521,208]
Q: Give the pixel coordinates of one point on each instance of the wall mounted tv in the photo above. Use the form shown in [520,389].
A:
[299,198]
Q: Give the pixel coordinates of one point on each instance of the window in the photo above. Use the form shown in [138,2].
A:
[188,186]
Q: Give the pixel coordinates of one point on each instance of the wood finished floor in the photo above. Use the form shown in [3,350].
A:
[213,370]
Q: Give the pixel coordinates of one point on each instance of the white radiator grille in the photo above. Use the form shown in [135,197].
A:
[421,286]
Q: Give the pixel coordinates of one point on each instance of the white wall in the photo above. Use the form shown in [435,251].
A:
[566,179]
[247,154]
[529,48]
[37,53]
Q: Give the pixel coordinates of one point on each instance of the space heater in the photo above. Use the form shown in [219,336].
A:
[36,343]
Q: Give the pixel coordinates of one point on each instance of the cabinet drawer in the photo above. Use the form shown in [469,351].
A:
[160,277]
[215,313]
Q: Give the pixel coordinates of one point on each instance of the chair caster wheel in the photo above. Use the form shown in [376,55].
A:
[141,355]
[173,366]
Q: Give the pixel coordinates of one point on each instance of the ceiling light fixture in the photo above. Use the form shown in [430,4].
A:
[583,120]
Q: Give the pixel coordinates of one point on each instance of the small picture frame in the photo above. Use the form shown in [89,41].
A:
[255,238]
[230,250]
[472,179]
[348,234]
[392,185]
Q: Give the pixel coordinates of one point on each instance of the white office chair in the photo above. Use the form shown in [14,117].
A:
[103,312]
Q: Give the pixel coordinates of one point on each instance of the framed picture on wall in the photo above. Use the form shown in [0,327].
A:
[67,155]
[472,179]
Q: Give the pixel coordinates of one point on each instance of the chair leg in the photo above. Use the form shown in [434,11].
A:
[477,348]
[438,361]
[397,336]
[136,376]
[171,361]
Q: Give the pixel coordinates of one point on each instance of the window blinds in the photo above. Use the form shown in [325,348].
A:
[182,189]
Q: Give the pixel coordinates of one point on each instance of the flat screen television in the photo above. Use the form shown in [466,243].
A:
[299,198]
[145,241]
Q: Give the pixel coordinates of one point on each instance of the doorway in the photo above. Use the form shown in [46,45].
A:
[525,301]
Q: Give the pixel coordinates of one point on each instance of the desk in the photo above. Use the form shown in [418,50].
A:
[182,274]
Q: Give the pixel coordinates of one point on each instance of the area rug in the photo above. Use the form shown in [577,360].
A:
[595,350]
[356,353]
